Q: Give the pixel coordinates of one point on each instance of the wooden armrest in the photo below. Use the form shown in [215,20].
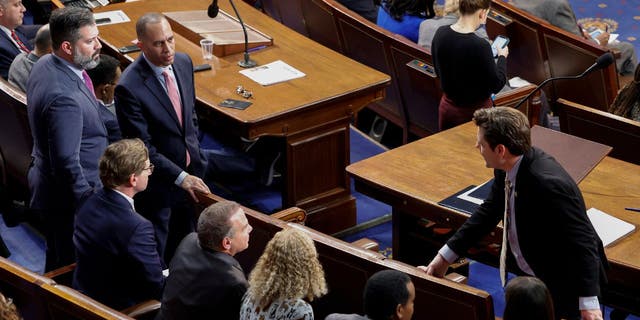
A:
[456,277]
[367,244]
[293,214]
[143,310]
[62,275]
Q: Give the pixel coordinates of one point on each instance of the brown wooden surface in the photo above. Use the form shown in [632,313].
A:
[415,177]
[311,113]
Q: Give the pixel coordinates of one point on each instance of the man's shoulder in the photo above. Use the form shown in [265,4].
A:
[342,316]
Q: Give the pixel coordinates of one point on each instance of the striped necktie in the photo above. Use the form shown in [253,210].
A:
[21,45]
[505,227]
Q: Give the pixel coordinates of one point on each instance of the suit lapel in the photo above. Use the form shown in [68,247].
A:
[154,86]
[11,46]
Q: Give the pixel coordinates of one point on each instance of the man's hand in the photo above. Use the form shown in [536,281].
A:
[192,183]
[591,314]
[603,39]
[437,268]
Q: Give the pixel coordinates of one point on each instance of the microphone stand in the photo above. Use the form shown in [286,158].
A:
[246,62]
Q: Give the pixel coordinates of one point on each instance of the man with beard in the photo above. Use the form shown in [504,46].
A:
[156,103]
[68,133]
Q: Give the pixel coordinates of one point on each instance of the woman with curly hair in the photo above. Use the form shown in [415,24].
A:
[627,102]
[287,272]
[8,309]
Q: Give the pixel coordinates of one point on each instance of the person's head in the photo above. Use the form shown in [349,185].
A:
[125,166]
[11,13]
[627,97]
[503,134]
[155,39]
[288,269]
[398,8]
[527,298]
[105,76]
[224,227]
[451,7]
[479,8]
[8,310]
[389,294]
[74,36]
[43,41]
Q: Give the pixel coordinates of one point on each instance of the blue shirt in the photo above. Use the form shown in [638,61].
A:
[409,27]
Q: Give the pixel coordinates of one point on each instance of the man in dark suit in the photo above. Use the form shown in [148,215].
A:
[156,103]
[12,41]
[118,262]
[548,233]
[205,280]
[68,133]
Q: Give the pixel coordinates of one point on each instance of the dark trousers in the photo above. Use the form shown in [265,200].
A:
[451,115]
[58,224]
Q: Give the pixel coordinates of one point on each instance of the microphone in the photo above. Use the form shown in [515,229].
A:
[212,12]
[602,62]
[246,62]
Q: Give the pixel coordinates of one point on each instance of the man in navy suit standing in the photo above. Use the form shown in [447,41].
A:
[12,41]
[68,133]
[118,263]
[156,103]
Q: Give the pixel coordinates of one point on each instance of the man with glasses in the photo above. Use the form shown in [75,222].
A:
[118,263]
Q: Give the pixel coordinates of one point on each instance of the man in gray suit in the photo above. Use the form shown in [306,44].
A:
[560,14]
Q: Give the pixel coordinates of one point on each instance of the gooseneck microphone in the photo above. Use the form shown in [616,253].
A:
[212,12]
[246,62]
[602,62]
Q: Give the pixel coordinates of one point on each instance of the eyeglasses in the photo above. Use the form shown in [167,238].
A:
[244,92]
[150,168]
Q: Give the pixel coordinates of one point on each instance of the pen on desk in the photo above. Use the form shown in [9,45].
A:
[633,209]
[257,48]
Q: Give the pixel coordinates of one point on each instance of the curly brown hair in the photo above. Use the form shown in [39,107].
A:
[627,97]
[8,310]
[288,269]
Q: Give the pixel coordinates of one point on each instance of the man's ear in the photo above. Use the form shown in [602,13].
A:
[399,311]
[67,48]
[133,180]
[226,243]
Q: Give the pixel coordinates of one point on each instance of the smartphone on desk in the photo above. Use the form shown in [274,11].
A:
[129,49]
[499,42]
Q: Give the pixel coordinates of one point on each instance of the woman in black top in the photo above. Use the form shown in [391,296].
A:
[466,66]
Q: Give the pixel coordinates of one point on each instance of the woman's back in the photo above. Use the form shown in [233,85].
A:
[279,310]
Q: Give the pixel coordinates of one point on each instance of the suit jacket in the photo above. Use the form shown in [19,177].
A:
[556,237]
[556,12]
[8,51]
[117,260]
[68,136]
[145,111]
[366,8]
[202,284]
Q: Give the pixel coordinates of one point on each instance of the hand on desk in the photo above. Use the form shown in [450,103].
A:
[591,314]
[437,267]
[192,183]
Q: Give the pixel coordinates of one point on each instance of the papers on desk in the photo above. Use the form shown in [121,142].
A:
[517,82]
[110,17]
[271,73]
[609,228]
[468,199]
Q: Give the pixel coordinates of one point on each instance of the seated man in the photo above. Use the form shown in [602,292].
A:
[560,14]
[388,294]
[12,41]
[21,66]
[205,281]
[118,263]
[104,77]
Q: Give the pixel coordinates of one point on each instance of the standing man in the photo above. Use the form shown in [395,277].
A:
[68,133]
[548,233]
[156,103]
[118,262]
[205,280]
[12,41]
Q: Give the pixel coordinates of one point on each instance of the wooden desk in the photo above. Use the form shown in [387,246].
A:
[415,177]
[312,113]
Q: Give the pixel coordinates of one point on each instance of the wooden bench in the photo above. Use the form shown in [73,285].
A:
[348,267]
[618,132]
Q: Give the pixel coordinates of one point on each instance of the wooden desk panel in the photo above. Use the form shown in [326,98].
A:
[312,113]
[415,177]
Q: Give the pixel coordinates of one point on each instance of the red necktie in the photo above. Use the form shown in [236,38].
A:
[21,45]
[172,91]
[88,82]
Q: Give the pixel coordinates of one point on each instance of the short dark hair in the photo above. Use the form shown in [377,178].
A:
[384,291]
[527,298]
[105,71]
[468,7]
[120,160]
[506,126]
[65,24]
[147,18]
[43,38]
[214,224]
